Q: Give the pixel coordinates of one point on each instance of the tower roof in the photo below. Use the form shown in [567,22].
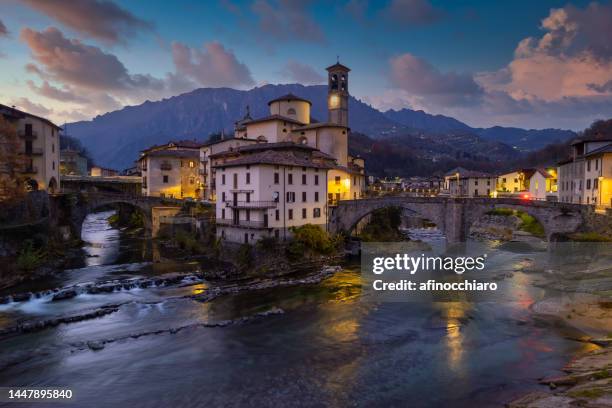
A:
[289,97]
[338,67]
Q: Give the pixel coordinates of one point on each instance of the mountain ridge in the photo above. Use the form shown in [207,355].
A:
[115,138]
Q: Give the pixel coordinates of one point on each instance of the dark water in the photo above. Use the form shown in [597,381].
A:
[329,348]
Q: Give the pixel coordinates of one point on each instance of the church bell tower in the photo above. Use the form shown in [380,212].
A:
[337,94]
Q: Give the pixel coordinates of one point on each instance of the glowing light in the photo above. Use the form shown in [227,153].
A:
[525,196]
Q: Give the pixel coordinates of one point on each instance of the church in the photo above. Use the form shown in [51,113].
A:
[285,169]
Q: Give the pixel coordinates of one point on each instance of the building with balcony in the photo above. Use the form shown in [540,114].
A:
[265,189]
[534,184]
[171,170]
[37,147]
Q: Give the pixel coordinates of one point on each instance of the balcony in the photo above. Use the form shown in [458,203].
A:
[27,136]
[29,169]
[165,166]
[241,223]
[251,204]
[34,151]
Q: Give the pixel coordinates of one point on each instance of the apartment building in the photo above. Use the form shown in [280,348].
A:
[579,170]
[38,146]
[598,177]
[171,170]
[265,189]
[72,163]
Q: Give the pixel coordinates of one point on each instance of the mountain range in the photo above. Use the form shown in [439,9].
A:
[115,139]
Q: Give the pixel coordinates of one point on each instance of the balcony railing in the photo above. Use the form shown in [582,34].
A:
[27,136]
[165,166]
[241,223]
[29,169]
[251,204]
[35,151]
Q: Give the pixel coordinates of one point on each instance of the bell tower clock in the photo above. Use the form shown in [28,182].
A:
[337,94]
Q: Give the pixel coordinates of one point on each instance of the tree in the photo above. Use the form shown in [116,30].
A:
[12,163]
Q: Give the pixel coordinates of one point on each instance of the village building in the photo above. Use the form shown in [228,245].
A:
[534,184]
[287,133]
[598,177]
[38,148]
[460,182]
[171,170]
[265,189]
[579,170]
[72,163]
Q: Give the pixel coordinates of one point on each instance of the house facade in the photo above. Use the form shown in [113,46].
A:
[38,146]
[171,170]
[265,189]
[460,182]
[577,173]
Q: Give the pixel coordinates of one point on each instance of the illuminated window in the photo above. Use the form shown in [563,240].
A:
[191,164]
[337,180]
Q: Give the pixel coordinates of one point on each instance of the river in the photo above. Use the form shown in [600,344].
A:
[330,348]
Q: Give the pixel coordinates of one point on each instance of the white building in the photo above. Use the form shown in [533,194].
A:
[171,170]
[460,182]
[265,189]
[287,131]
[39,148]
[574,172]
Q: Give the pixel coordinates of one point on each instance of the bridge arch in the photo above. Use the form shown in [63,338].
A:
[454,216]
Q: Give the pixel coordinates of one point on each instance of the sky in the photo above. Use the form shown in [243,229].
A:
[530,64]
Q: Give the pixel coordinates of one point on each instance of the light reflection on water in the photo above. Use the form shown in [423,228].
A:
[328,349]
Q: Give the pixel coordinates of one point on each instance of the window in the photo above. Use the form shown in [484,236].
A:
[337,180]
[223,179]
[316,212]
[290,111]
[53,147]
[235,180]
[290,214]
[476,182]
[503,180]
[596,164]
[595,184]
[289,178]
[166,179]
[248,215]
[588,165]
[476,192]
[303,178]
[223,196]
[191,180]
[276,178]
[276,234]
[304,215]
[488,182]
[316,196]
[223,213]
[191,164]
[277,215]
[248,178]
[246,237]
[53,164]
[588,184]
[316,179]
[303,196]
[248,197]
[290,197]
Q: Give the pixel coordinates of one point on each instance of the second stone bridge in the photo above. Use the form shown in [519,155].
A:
[454,216]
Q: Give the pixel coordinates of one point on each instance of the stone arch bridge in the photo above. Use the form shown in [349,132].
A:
[454,216]
[72,208]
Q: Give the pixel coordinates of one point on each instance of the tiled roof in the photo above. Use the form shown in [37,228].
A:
[318,125]
[463,173]
[16,113]
[289,97]
[279,157]
[265,146]
[338,65]
[181,153]
[274,117]
[604,149]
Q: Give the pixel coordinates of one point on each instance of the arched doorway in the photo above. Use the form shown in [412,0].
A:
[52,188]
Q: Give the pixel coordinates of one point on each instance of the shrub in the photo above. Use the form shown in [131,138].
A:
[505,212]
[589,237]
[530,224]
[267,243]
[29,258]
[313,237]
[187,242]
[383,226]
[245,255]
